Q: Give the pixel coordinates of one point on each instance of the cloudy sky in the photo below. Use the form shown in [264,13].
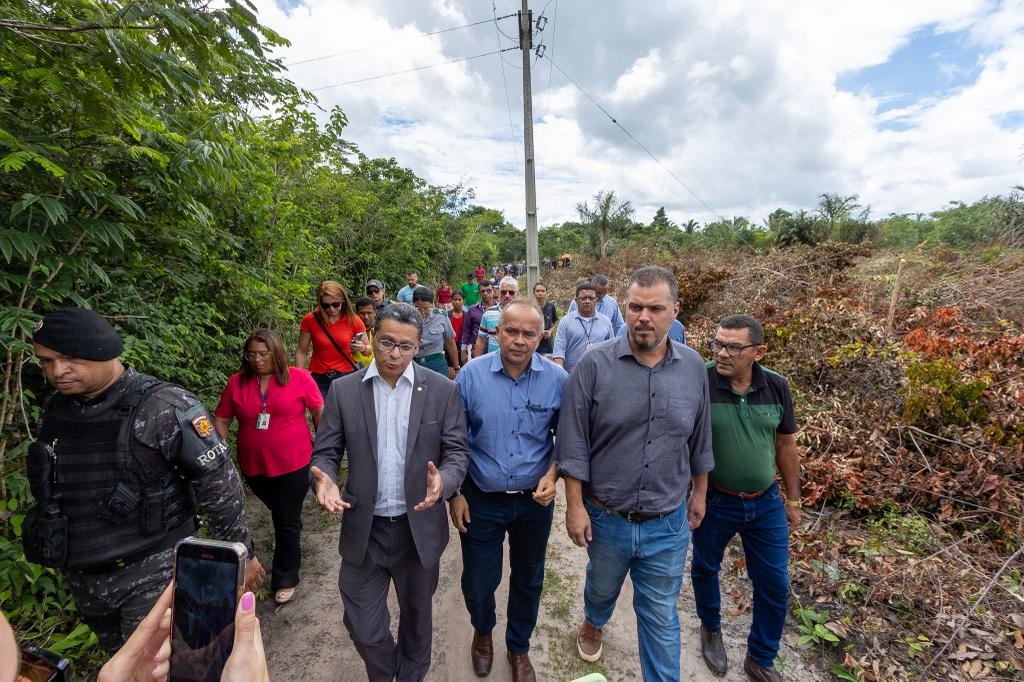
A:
[753,105]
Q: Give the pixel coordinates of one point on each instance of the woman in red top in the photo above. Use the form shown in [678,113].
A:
[444,296]
[330,331]
[270,401]
[457,316]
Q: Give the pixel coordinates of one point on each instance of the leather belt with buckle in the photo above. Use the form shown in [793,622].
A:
[391,519]
[741,495]
[632,516]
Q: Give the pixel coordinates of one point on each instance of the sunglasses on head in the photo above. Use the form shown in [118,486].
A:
[327,306]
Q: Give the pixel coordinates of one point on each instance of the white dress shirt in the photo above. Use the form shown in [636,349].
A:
[392,408]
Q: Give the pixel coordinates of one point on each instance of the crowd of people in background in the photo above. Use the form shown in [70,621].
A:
[448,395]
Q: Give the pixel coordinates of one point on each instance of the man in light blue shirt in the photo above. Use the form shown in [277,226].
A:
[606,304]
[412,282]
[511,399]
[581,328]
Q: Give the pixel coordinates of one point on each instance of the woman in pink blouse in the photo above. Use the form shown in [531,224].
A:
[270,400]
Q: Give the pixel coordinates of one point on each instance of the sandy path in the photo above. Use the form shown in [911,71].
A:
[305,639]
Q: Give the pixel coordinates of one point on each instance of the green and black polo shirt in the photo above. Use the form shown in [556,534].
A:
[743,428]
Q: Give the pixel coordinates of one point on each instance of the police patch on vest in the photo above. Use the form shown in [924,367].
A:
[201,423]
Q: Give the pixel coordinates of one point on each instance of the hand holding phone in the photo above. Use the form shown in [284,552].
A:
[208,577]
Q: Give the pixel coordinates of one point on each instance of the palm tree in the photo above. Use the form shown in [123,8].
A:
[608,219]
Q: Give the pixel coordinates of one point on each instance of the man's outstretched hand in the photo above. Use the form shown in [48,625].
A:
[435,486]
[328,496]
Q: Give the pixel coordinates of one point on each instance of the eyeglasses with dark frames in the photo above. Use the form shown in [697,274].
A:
[733,349]
[328,306]
[387,345]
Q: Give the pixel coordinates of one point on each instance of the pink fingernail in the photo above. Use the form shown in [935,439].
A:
[248,601]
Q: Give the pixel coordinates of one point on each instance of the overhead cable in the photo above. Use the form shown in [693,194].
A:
[636,141]
[508,102]
[412,70]
[395,42]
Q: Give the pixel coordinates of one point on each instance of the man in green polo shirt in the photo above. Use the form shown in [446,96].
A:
[753,436]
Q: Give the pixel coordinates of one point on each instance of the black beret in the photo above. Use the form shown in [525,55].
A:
[78,333]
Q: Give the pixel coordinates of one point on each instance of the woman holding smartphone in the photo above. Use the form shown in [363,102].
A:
[270,400]
[329,331]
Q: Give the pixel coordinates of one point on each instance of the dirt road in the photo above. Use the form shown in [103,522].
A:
[305,639]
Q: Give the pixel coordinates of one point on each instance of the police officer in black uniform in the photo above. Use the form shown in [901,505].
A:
[121,466]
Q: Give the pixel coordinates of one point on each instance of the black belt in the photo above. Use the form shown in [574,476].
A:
[391,519]
[169,541]
[331,373]
[631,516]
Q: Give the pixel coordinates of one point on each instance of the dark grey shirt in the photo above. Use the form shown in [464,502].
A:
[633,434]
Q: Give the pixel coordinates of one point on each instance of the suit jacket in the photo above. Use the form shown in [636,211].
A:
[437,433]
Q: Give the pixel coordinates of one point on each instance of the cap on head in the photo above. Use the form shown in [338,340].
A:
[78,333]
[375,283]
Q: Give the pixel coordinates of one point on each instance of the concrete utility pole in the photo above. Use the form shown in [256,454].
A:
[532,251]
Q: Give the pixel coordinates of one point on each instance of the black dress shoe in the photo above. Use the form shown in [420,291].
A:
[713,651]
[482,653]
[759,673]
[522,669]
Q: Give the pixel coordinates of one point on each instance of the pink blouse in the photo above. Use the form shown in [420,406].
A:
[286,444]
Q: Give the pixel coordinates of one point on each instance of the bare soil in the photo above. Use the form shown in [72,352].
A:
[305,639]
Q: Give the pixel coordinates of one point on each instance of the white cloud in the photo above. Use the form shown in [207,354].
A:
[643,77]
[739,99]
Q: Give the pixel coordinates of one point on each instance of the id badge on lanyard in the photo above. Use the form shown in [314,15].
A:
[263,418]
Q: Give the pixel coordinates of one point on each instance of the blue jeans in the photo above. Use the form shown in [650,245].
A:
[528,525]
[764,530]
[653,553]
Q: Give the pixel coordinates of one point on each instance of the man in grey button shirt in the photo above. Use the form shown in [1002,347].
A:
[634,432]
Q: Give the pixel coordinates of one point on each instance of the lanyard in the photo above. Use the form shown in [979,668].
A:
[263,394]
[587,330]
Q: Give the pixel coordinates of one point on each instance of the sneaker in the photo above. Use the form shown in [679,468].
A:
[713,651]
[588,642]
[759,673]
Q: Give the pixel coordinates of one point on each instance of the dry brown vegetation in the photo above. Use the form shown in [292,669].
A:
[913,438]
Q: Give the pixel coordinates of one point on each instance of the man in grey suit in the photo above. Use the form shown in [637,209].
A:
[405,433]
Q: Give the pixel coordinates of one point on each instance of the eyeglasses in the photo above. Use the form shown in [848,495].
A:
[387,345]
[733,349]
[372,290]
[328,306]
[253,354]
[507,293]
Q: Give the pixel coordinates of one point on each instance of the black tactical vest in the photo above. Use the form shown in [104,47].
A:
[116,505]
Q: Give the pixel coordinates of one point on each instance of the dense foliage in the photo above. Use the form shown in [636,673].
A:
[156,165]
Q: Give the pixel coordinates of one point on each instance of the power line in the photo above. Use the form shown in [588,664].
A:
[508,102]
[496,19]
[418,68]
[636,141]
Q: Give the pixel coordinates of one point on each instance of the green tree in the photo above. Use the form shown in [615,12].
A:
[608,219]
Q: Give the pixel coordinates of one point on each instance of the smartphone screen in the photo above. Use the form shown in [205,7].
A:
[207,577]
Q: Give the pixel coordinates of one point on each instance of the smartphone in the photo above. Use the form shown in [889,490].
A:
[40,665]
[208,577]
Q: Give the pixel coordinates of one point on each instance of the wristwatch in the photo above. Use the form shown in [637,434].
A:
[793,503]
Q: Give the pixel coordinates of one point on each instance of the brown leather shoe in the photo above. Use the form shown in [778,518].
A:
[482,653]
[759,673]
[588,642]
[522,669]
